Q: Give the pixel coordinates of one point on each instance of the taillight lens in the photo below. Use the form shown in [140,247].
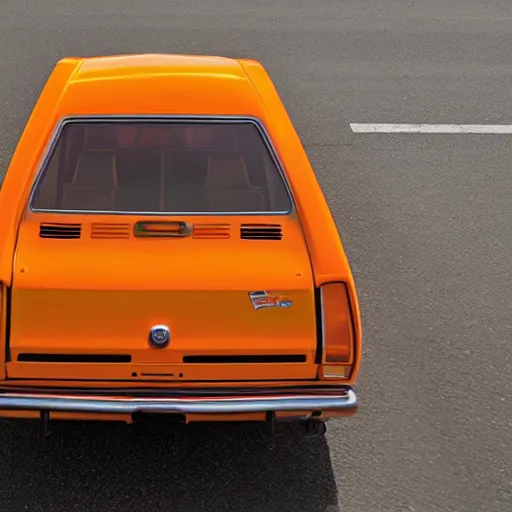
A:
[337,330]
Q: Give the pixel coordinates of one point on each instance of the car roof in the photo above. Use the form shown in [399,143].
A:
[156,84]
[137,65]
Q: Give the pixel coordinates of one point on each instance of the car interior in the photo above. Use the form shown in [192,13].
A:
[129,167]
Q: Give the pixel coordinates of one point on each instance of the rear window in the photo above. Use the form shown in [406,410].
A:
[159,168]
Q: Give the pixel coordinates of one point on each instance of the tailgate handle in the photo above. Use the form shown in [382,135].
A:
[162,229]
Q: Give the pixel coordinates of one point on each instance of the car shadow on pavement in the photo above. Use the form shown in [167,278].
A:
[194,468]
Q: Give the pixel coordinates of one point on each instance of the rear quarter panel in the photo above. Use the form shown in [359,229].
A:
[326,250]
[17,182]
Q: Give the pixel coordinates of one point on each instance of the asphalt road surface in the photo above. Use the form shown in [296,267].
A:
[426,221]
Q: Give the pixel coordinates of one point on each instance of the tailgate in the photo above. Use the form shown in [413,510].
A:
[237,307]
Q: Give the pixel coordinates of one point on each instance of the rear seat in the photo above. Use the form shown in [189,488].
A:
[131,180]
[244,200]
[185,174]
[226,170]
[139,177]
[102,200]
[93,184]
[229,186]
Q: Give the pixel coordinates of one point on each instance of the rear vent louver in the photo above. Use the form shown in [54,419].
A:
[105,231]
[60,231]
[261,232]
[211,231]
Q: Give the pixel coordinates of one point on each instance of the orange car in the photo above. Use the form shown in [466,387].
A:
[166,249]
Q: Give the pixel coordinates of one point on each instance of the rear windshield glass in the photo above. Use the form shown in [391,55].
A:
[161,167]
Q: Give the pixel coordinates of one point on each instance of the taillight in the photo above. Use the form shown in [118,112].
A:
[337,331]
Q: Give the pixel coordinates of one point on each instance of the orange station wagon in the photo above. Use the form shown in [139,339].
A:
[165,248]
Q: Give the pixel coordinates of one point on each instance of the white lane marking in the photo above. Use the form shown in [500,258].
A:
[430,128]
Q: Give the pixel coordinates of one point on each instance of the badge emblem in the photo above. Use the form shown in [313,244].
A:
[262,299]
[159,336]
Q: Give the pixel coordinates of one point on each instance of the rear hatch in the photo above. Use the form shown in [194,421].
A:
[237,296]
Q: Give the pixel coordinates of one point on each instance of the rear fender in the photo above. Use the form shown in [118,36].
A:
[326,251]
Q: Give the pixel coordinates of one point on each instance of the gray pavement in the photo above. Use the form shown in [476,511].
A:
[426,221]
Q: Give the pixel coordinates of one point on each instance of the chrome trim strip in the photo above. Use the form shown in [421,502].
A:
[120,405]
[41,168]
[322,319]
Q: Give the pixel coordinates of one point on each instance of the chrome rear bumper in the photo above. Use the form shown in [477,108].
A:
[342,399]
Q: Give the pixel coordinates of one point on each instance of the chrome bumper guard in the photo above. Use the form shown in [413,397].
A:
[343,399]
